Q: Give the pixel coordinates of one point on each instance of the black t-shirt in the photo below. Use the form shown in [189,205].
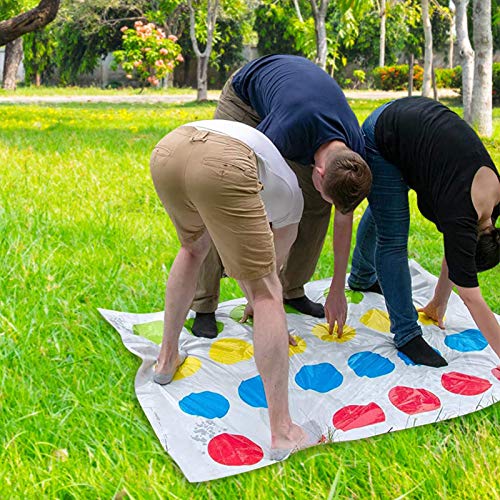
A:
[300,105]
[438,154]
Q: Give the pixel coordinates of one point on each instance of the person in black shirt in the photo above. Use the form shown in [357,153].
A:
[420,144]
[306,115]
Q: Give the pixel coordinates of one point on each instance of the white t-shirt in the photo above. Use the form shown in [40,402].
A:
[281,195]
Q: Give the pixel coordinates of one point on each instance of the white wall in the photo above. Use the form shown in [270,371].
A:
[20,71]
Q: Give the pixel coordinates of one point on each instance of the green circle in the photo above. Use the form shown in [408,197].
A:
[152,331]
[237,314]
[352,297]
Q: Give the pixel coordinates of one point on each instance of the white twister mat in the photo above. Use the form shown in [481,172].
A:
[212,419]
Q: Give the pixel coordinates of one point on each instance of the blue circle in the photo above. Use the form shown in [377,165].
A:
[323,377]
[466,341]
[252,392]
[205,404]
[408,361]
[370,364]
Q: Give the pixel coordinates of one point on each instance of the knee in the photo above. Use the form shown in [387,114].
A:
[198,250]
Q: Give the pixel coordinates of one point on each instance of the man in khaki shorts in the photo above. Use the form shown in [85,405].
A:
[303,111]
[225,182]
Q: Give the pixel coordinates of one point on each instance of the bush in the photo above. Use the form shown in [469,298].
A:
[496,82]
[396,77]
[449,78]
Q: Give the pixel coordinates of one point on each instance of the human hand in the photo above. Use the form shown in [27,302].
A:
[291,338]
[435,311]
[247,313]
[336,311]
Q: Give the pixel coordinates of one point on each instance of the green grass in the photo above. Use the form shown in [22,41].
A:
[94,91]
[81,227]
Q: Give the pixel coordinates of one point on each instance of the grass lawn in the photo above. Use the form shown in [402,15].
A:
[83,228]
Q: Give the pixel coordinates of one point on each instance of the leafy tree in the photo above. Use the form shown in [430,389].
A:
[39,47]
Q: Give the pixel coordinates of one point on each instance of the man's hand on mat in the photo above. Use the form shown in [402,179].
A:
[247,313]
[336,311]
[291,338]
[435,311]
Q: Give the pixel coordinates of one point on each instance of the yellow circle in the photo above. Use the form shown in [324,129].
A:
[299,348]
[376,319]
[322,331]
[425,320]
[190,366]
[230,351]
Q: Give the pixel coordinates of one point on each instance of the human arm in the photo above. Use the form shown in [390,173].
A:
[336,303]
[436,308]
[483,317]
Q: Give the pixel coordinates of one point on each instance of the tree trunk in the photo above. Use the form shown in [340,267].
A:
[321,44]
[27,22]
[483,74]
[466,55]
[451,40]
[13,58]
[434,84]
[383,17]
[202,78]
[410,75]
[202,58]
[38,79]
[319,15]
[427,83]
[297,10]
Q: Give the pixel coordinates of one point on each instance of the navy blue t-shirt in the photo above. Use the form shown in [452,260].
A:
[300,105]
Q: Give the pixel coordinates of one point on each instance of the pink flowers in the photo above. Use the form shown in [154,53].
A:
[173,38]
[179,58]
[163,51]
[123,29]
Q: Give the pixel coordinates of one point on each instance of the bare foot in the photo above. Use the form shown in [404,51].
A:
[297,438]
[164,373]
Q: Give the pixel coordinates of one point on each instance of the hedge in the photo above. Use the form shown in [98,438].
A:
[396,78]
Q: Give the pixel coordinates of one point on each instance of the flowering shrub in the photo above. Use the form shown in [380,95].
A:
[396,77]
[147,54]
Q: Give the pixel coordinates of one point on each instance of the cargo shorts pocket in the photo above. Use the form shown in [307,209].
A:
[223,166]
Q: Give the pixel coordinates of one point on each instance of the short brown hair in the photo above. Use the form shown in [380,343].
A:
[347,180]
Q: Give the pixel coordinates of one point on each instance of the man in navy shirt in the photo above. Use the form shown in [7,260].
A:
[306,115]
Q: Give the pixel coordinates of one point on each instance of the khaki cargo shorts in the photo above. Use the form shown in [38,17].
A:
[209,181]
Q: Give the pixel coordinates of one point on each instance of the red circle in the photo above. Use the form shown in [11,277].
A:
[355,416]
[496,373]
[412,401]
[465,385]
[233,449]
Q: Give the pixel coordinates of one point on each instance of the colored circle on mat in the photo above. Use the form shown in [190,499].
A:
[299,348]
[351,296]
[370,364]
[356,416]
[237,314]
[496,373]
[205,404]
[412,401]
[235,450]
[466,341]
[229,351]
[152,331]
[376,319]
[464,385]
[321,330]
[322,377]
[425,320]
[251,391]
[188,325]
[410,362]
[190,366]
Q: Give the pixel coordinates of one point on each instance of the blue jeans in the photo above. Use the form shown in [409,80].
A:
[381,250]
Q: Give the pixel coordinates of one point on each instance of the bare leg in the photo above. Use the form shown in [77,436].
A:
[271,357]
[181,285]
